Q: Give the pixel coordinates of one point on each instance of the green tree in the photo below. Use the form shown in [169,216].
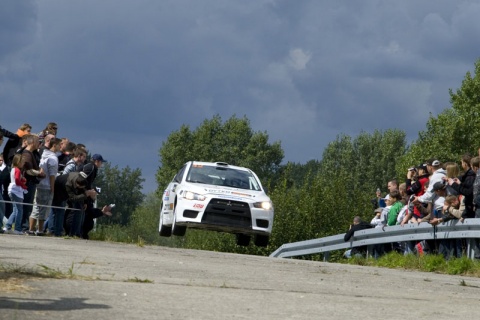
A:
[455,131]
[121,187]
[233,142]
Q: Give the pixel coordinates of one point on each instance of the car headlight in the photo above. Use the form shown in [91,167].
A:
[266,205]
[189,195]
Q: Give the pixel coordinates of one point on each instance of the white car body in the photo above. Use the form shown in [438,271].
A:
[219,197]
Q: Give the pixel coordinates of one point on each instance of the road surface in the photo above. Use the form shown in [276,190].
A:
[103,280]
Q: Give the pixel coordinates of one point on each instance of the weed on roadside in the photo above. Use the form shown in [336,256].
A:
[138,280]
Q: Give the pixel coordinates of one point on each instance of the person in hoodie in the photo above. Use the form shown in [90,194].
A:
[357,225]
[437,173]
[45,188]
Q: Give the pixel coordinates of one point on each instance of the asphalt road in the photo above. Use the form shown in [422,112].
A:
[118,281]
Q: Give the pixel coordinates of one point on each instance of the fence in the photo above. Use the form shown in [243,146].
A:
[468,229]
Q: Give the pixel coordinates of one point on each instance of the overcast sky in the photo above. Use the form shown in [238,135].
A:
[121,75]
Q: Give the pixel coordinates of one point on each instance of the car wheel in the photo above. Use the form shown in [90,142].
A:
[243,239]
[176,229]
[164,230]
[261,240]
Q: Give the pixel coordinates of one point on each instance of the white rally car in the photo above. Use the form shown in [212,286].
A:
[220,197]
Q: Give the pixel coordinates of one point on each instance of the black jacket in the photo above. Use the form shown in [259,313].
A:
[356,227]
[13,143]
[66,189]
[465,188]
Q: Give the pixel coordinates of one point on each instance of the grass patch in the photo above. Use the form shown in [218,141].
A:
[427,263]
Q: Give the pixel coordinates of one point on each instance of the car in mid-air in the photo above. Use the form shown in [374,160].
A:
[219,197]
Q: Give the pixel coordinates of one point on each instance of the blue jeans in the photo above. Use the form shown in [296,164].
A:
[55,225]
[2,210]
[49,224]
[77,222]
[17,214]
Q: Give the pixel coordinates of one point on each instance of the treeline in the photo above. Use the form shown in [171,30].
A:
[311,200]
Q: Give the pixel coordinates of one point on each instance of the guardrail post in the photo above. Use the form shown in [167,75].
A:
[326,256]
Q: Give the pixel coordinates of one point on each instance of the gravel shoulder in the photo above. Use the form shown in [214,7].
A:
[110,280]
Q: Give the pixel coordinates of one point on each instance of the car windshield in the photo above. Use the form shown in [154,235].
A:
[222,176]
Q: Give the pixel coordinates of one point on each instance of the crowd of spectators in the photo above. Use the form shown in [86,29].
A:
[46,184]
[433,192]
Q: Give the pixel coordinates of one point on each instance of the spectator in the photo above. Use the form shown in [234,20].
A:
[476,185]
[69,187]
[16,190]
[74,164]
[357,225]
[4,177]
[74,219]
[436,175]
[91,214]
[14,142]
[65,154]
[452,171]
[45,144]
[422,209]
[33,174]
[378,221]
[391,186]
[416,179]
[453,208]
[378,202]
[395,200]
[45,189]
[51,128]
[440,192]
[464,186]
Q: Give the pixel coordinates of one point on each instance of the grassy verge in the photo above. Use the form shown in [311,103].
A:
[428,263]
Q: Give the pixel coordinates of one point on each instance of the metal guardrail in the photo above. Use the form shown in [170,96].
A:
[454,229]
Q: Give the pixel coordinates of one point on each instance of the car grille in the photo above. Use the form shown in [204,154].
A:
[228,213]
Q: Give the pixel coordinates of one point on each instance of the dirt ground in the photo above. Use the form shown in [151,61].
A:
[99,280]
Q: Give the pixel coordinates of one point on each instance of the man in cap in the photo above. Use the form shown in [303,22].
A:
[437,175]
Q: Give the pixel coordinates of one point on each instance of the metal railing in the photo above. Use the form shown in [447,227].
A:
[468,229]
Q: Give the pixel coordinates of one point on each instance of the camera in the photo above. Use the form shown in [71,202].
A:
[412,169]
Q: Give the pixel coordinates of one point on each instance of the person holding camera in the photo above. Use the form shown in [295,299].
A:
[417,179]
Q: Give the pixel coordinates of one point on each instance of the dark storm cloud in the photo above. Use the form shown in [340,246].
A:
[17,23]
[120,76]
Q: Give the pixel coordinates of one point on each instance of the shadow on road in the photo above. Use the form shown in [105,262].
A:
[61,304]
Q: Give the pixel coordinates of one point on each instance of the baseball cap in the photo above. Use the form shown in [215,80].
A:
[98,157]
[436,163]
[439,186]
[422,166]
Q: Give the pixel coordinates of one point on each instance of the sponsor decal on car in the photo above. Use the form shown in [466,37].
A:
[198,206]
[218,191]
[166,198]
[242,194]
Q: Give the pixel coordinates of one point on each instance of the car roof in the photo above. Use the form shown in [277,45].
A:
[219,164]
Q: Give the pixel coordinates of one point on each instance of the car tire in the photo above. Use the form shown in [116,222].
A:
[243,239]
[164,230]
[176,229]
[261,240]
